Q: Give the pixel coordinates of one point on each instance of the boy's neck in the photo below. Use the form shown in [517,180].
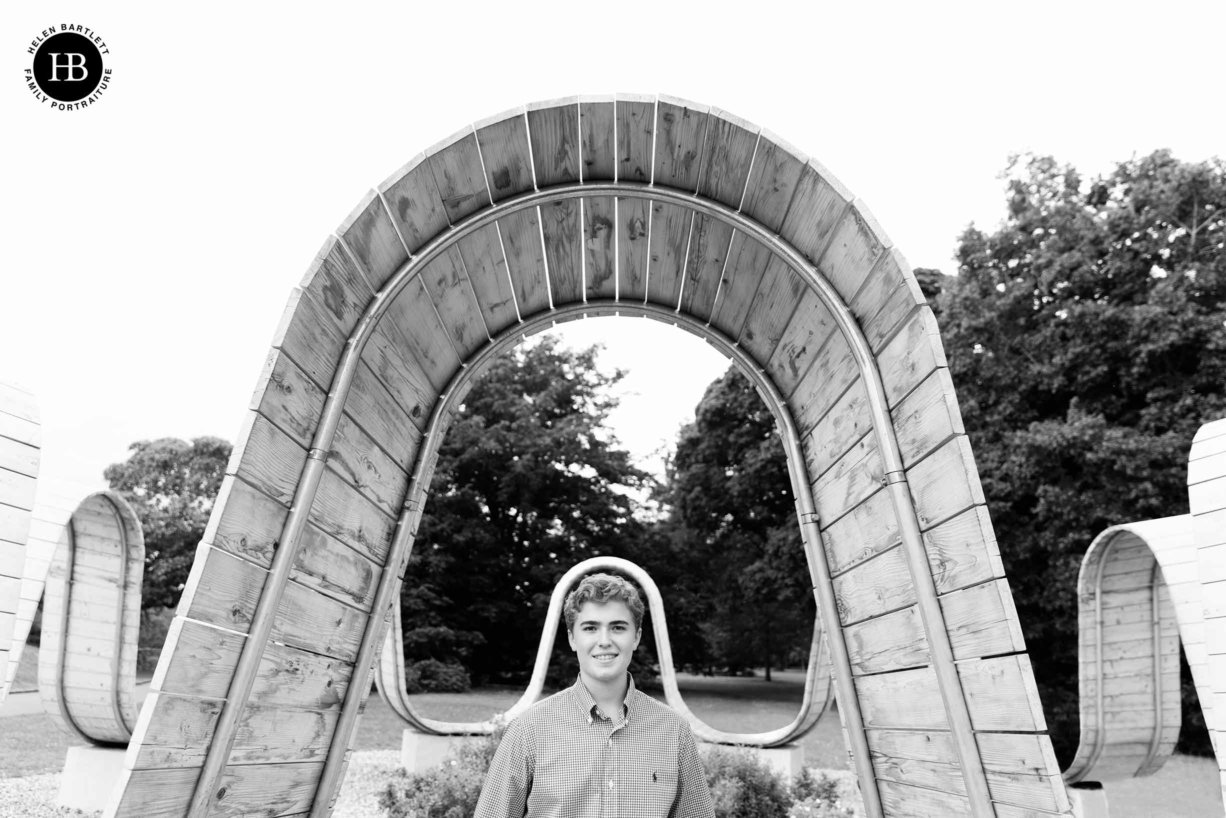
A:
[609,696]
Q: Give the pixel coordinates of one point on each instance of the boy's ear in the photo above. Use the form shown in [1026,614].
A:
[638,636]
[570,637]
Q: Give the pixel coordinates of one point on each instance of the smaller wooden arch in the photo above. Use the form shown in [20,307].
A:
[19,457]
[91,618]
[817,695]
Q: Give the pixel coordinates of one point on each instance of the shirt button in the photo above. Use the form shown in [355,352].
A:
[610,785]
[610,742]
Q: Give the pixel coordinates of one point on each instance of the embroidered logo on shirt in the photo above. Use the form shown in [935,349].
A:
[653,778]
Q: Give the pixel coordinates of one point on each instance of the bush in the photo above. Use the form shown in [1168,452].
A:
[433,676]
[743,787]
[154,625]
[450,790]
[822,795]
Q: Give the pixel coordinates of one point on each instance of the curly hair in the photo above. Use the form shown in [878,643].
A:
[601,588]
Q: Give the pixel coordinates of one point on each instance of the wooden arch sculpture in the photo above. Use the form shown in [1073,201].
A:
[391,672]
[19,459]
[91,620]
[635,206]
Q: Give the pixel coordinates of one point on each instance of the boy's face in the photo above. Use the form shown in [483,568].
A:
[604,639]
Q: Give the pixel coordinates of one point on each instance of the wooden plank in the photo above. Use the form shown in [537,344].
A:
[416,207]
[772,308]
[342,511]
[560,228]
[599,243]
[12,559]
[17,490]
[245,522]
[446,281]
[258,791]
[927,417]
[857,243]
[962,551]
[633,239]
[817,207]
[20,429]
[945,483]
[869,529]
[747,260]
[681,130]
[307,335]
[727,157]
[772,181]
[833,371]
[503,140]
[335,569]
[636,114]
[369,233]
[267,458]
[521,241]
[846,422]
[597,138]
[287,397]
[668,242]
[1000,694]
[910,356]
[709,241]
[888,296]
[456,165]
[359,460]
[336,285]
[902,800]
[18,457]
[874,587]
[857,475]
[391,359]
[481,253]
[553,127]
[14,524]
[413,315]
[18,402]
[806,331]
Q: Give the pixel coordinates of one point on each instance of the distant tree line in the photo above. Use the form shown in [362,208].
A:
[1086,336]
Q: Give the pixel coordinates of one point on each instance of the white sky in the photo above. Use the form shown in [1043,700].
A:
[151,240]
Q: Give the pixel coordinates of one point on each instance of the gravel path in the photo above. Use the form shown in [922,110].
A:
[369,772]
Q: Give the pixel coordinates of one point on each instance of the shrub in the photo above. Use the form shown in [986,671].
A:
[822,795]
[154,625]
[433,676]
[449,790]
[743,787]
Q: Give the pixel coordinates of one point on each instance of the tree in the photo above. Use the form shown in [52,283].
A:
[1086,340]
[171,486]
[737,557]
[529,481]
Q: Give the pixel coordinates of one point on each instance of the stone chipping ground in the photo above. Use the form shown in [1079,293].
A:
[369,772]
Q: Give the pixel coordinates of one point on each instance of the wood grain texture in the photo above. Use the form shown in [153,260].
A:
[503,140]
[391,358]
[633,240]
[889,295]
[554,130]
[258,791]
[481,253]
[308,336]
[560,228]
[772,308]
[336,284]
[599,243]
[747,260]
[636,115]
[807,330]
[817,208]
[413,315]
[597,138]
[772,181]
[856,244]
[910,355]
[456,165]
[869,529]
[446,280]
[413,199]
[837,431]
[709,241]
[727,157]
[369,234]
[525,256]
[681,130]
[670,237]
[833,371]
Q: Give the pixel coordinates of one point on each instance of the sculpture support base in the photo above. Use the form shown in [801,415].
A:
[89,776]
[420,751]
[1089,800]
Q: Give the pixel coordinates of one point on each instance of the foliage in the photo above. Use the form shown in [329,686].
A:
[449,790]
[822,795]
[171,486]
[730,552]
[154,626]
[1086,340]
[742,786]
[529,481]
[433,676]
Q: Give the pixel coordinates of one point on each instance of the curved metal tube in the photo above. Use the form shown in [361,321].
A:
[927,603]
[668,674]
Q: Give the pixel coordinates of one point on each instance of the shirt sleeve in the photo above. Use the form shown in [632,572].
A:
[693,795]
[509,780]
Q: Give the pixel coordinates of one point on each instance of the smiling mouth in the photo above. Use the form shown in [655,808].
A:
[605,657]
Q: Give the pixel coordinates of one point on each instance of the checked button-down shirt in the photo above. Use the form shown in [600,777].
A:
[564,758]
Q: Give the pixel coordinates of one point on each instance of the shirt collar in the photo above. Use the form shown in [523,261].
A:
[587,705]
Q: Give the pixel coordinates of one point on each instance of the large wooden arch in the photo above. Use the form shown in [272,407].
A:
[652,206]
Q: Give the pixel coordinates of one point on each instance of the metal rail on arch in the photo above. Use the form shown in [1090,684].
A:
[928,605]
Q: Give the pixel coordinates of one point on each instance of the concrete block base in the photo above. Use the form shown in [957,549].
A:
[1089,800]
[419,751]
[89,776]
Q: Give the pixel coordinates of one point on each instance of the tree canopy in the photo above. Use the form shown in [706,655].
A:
[1086,337]
[171,485]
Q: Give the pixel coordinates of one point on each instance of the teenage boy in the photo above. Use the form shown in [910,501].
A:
[599,749]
